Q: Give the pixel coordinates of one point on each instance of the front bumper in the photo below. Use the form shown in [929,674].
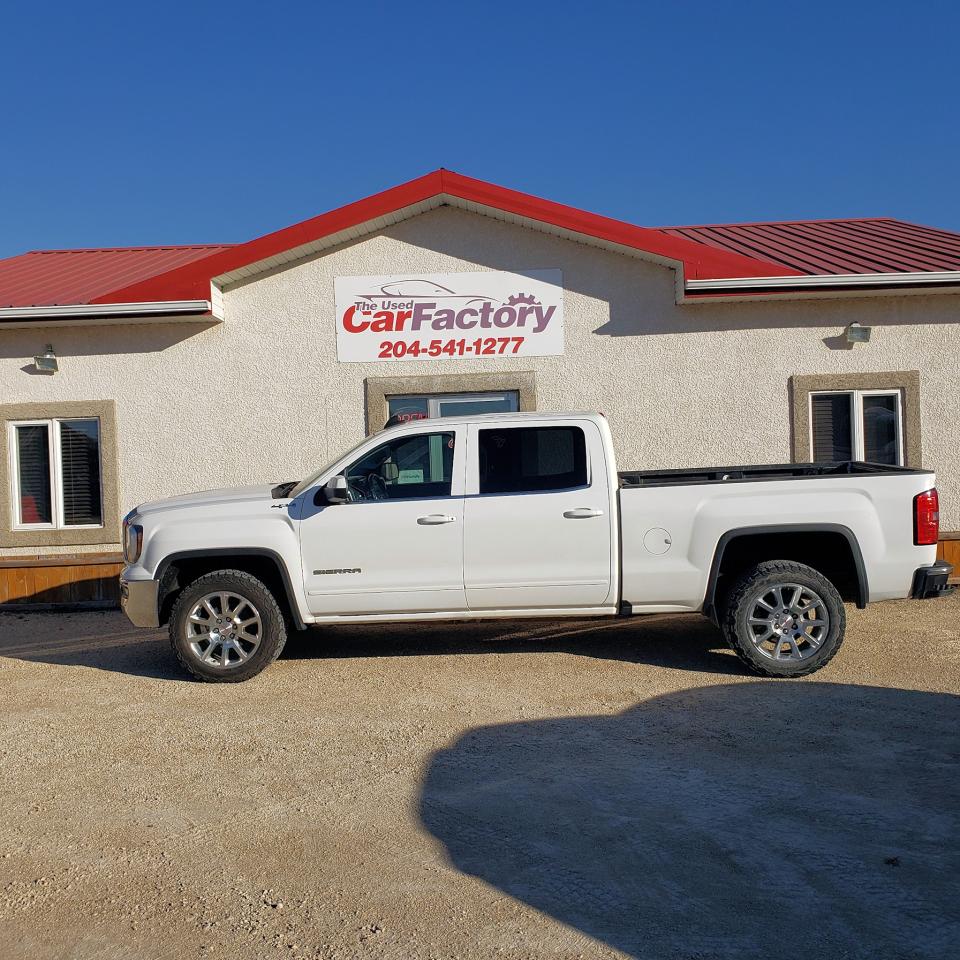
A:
[932,581]
[138,600]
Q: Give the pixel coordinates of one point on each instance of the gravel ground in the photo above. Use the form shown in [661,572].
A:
[581,789]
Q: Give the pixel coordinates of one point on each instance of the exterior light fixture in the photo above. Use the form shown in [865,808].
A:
[47,362]
[856,333]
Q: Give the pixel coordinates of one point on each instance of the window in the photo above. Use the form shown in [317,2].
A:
[522,459]
[857,425]
[55,473]
[58,474]
[873,416]
[405,468]
[452,404]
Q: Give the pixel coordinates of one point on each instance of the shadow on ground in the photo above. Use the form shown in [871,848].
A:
[684,642]
[680,642]
[101,640]
[748,820]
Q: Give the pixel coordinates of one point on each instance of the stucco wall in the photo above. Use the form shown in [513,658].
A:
[261,397]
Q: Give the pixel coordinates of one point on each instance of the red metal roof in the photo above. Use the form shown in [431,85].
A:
[714,251]
[51,277]
[825,247]
[701,261]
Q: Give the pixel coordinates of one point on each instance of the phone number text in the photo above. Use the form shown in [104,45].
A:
[482,347]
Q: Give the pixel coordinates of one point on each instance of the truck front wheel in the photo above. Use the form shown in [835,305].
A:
[226,626]
[784,619]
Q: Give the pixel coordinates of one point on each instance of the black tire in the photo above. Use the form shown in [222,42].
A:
[759,584]
[271,631]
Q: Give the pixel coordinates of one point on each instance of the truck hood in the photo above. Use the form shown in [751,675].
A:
[207,498]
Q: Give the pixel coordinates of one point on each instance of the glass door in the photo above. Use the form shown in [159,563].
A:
[452,404]
[466,404]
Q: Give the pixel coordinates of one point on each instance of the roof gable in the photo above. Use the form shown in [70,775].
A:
[698,260]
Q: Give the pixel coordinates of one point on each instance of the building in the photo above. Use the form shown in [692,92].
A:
[184,368]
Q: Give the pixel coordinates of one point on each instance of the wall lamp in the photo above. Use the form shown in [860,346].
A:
[47,362]
[856,333]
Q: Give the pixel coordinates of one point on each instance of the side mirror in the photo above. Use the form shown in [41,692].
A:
[389,471]
[335,489]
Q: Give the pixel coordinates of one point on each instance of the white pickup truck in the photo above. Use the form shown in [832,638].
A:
[525,515]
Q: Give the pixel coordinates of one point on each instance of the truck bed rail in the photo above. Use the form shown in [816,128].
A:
[753,473]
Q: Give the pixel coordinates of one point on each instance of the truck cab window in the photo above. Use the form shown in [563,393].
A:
[406,468]
[530,459]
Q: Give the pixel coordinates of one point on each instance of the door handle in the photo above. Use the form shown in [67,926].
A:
[432,519]
[582,513]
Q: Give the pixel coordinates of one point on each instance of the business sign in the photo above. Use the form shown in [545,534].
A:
[449,316]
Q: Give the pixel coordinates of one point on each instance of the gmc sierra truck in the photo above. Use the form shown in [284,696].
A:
[525,515]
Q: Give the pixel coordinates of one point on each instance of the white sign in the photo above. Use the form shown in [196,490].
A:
[448,316]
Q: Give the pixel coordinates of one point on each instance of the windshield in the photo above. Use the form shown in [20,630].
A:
[308,481]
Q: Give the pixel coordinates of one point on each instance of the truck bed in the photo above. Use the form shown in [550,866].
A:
[754,473]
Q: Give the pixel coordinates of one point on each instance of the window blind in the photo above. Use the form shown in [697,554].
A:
[80,460]
[33,462]
[831,426]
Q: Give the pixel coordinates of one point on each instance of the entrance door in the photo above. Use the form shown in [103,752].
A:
[467,404]
[397,546]
[421,406]
[538,524]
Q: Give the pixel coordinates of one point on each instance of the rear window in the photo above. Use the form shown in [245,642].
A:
[529,459]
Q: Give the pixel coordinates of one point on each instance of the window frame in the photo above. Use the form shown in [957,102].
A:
[800,385]
[56,475]
[858,451]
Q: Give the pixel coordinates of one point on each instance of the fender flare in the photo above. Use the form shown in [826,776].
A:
[863,589]
[271,555]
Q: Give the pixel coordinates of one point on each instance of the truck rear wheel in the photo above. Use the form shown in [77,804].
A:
[784,619]
[226,626]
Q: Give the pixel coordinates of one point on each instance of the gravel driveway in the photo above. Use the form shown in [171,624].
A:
[583,789]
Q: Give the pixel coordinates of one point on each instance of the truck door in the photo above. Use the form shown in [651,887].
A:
[397,547]
[538,521]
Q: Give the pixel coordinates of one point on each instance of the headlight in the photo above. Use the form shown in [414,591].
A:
[132,540]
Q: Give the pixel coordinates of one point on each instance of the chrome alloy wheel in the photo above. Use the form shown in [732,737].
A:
[788,622]
[223,630]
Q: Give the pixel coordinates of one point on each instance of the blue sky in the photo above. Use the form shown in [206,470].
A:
[208,121]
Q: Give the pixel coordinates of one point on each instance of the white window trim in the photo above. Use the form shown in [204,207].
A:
[856,419]
[56,475]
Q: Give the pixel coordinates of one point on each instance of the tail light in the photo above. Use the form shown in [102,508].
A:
[926,518]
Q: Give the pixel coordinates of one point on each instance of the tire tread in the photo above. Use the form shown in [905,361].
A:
[266,599]
[747,583]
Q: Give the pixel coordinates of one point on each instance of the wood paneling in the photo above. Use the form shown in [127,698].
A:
[84,578]
[949,549]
